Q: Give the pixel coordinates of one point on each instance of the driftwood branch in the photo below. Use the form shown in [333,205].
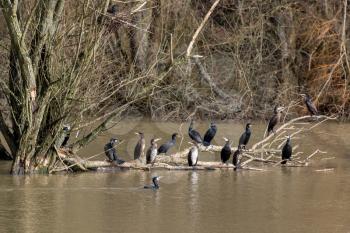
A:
[178,160]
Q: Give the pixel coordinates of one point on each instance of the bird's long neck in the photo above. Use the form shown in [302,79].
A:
[155,182]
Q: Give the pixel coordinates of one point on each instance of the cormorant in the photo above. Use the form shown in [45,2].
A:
[140,146]
[287,151]
[66,130]
[194,135]
[165,147]
[310,106]
[244,139]
[152,151]
[236,160]
[111,152]
[192,156]
[64,137]
[155,184]
[112,9]
[210,134]
[274,119]
[226,151]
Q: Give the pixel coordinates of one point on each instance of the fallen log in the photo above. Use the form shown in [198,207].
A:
[261,152]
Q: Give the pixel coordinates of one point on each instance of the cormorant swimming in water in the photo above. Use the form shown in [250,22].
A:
[274,119]
[310,106]
[111,152]
[194,135]
[287,151]
[226,151]
[140,146]
[155,184]
[192,156]
[152,151]
[236,160]
[244,139]
[210,134]
[165,147]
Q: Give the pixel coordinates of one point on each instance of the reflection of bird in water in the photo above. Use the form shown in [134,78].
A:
[192,156]
[287,151]
[155,184]
[274,119]
[165,147]
[226,151]
[310,105]
[194,135]
[236,158]
[140,146]
[152,151]
[210,134]
[111,152]
[244,139]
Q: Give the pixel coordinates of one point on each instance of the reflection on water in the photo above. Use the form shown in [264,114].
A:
[278,200]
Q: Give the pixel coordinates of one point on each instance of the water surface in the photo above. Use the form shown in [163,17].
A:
[278,200]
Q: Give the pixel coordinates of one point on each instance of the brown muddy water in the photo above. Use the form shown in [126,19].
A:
[280,199]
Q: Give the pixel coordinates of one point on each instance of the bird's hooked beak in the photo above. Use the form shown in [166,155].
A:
[226,140]
[157,139]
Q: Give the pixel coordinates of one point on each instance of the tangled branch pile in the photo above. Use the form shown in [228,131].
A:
[266,151]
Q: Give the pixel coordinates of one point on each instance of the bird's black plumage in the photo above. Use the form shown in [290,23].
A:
[140,146]
[274,120]
[165,147]
[194,135]
[151,152]
[111,152]
[63,138]
[112,9]
[192,156]
[210,134]
[310,105]
[226,152]
[236,157]
[287,151]
[244,139]
[155,184]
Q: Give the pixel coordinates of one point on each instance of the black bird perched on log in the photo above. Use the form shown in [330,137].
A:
[165,147]
[244,139]
[226,151]
[310,105]
[155,184]
[236,157]
[152,151]
[64,137]
[111,152]
[192,156]
[287,151]
[210,134]
[194,135]
[140,146]
[274,119]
